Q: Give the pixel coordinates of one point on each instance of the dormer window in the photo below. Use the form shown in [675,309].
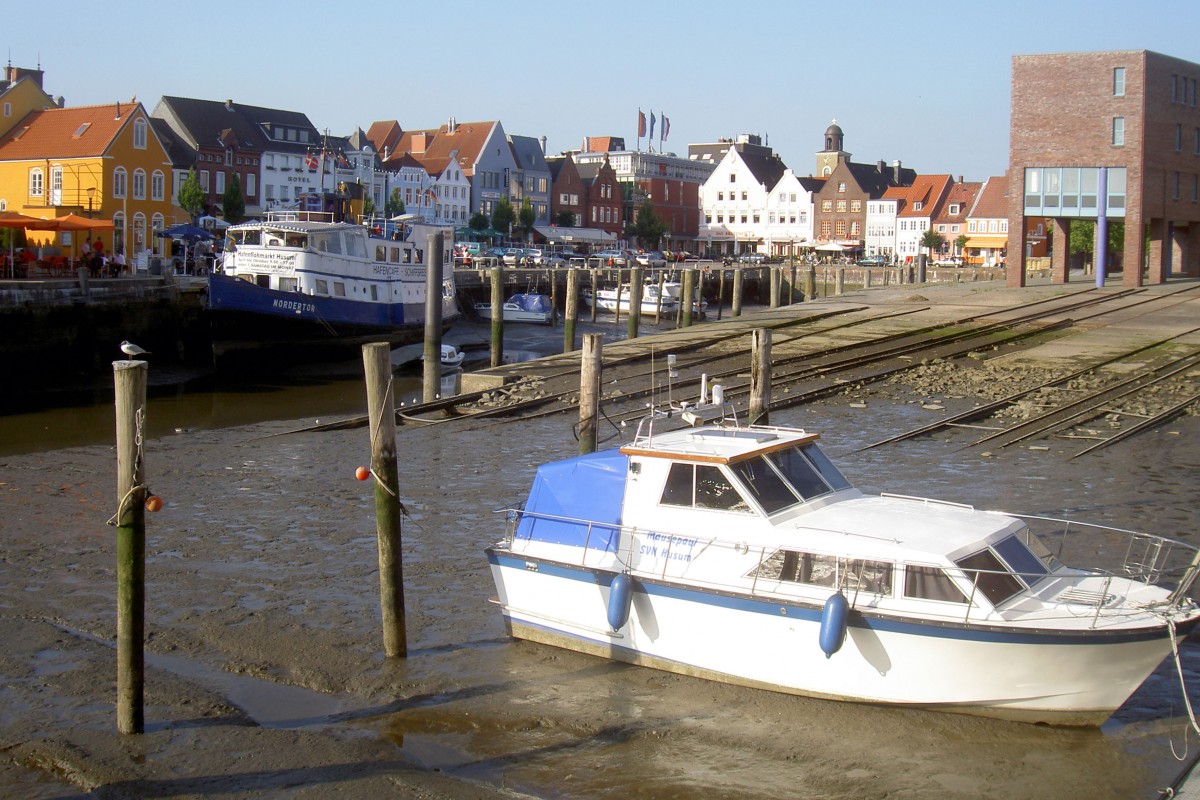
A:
[917,206]
[81,130]
[954,209]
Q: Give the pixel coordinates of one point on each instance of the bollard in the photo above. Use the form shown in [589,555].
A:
[810,284]
[720,293]
[497,316]
[381,409]
[687,296]
[431,372]
[595,292]
[635,302]
[130,399]
[735,307]
[774,275]
[589,391]
[839,287]
[572,310]
[658,302]
[760,377]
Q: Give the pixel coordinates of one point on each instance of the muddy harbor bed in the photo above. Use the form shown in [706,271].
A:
[264,673]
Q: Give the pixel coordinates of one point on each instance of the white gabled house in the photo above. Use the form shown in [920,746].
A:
[734,200]
[880,238]
[790,214]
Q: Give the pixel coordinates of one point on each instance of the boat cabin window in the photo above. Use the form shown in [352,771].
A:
[799,474]
[864,575]
[394,255]
[1021,559]
[931,583]
[990,576]
[832,475]
[380,252]
[287,284]
[296,240]
[701,486]
[339,289]
[263,280]
[322,286]
[765,484]
[374,292]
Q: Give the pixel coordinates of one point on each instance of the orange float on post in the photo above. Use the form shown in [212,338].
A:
[154,503]
[362,473]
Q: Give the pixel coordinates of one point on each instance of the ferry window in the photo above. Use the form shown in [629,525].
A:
[1021,559]
[322,286]
[990,576]
[765,485]
[335,244]
[930,583]
[408,256]
[380,252]
[339,289]
[374,292]
[297,240]
[287,284]
[263,280]
[701,486]
[394,255]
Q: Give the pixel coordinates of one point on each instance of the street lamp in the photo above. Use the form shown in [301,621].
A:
[91,192]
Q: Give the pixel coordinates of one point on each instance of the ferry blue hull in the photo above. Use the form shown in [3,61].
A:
[249,321]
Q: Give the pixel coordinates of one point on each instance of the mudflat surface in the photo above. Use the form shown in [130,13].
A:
[265,676]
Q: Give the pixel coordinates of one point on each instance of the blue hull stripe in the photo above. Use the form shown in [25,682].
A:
[858,618]
[234,294]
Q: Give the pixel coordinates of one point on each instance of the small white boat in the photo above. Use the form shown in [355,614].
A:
[743,555]
[674,290]
[525,307]
[452,356]
[606,299]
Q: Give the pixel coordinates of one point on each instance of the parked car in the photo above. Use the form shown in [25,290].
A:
[752,258]
[951,261]
[534,255]
[513,256]
[611,258]
[653,258]
[873,261]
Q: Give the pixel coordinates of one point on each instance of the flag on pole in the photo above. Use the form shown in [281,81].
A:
[641,124]
[666,127]
[652,124]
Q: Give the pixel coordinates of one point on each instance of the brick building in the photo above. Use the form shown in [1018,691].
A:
[1112,137]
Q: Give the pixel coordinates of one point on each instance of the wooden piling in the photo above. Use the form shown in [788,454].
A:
[791,295]
[658,303]
[589,391]
[381,409]
[431,373]
[773,276]
[595,292]
[130,399]
[497,316]
[572,310]
[735,303]
[553,273]
[687,296]
[720,293]
[635,303]
[810,284]
[760,377]
[839,287]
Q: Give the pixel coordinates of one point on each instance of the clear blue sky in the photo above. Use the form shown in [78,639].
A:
[925,83]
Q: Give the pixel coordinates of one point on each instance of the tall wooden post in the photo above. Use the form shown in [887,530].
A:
[130,399]
[595,277]
[572,309]
[760,376]
[431,373]
[589,391]
[791,295]
[687,296]
[662,277]
[620,294]
[774,275]
[553,273]
[839,287]
[381,408]
[720,293]
[735,307]
[810,284]
[497,316]
[635,302]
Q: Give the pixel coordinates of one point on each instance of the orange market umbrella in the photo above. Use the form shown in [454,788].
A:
[74,222]
[13,220]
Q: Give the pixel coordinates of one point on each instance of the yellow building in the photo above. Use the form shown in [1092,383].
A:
[102,162]
[21,92]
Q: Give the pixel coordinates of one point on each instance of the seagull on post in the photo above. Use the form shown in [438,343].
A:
[130,350]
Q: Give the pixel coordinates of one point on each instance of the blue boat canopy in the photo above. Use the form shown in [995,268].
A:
[538,303]
[589,488]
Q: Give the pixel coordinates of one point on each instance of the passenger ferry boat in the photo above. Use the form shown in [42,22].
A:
[301,284]
[742,554]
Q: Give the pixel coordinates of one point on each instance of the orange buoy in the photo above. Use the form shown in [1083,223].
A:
[362,473]
[154,503]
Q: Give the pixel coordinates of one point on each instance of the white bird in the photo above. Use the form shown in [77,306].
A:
[130,349]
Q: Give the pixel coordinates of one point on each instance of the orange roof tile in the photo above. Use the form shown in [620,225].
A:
[75,132]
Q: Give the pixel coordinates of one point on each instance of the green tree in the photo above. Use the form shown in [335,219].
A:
[394,206]
[368,207]
[503,215]
[961,244]
[526,217]
[649,227]
[1082,238]
[931,240]
[191,196]
[479,221]
[233,204]
[564,219]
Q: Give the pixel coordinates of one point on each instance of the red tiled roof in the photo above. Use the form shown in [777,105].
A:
[927,190]
[60,132]
[993,199]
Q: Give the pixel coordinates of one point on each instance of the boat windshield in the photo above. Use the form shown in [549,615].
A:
[990,576]
[785,478]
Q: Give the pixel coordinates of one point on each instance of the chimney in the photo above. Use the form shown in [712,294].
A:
[229,104]
[896,171]
[881,166]
[543,140]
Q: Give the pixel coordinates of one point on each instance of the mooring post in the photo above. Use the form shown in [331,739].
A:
[589,391]
[381,408]
[735,302]
[129,378]
[760,377]
[620,293]
[687,296]
[595,292]
[635,302]
[572,310]
[867,278]
[431,373]
[497,316]
[791,295]
[810,284]
[662,277]
[553,273]
[773,275]
[839,286]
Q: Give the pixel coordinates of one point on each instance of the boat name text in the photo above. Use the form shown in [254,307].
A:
[673,548]
[298,306]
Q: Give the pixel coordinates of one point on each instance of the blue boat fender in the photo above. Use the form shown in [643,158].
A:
[620,598]
[833,623]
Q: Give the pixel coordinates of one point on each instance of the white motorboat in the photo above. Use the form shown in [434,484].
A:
[524,307]
[742,554]
[607,299]
[674,290]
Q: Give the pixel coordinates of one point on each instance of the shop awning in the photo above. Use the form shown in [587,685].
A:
[557,233]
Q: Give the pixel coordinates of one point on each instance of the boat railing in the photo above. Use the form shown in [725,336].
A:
[295,215]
